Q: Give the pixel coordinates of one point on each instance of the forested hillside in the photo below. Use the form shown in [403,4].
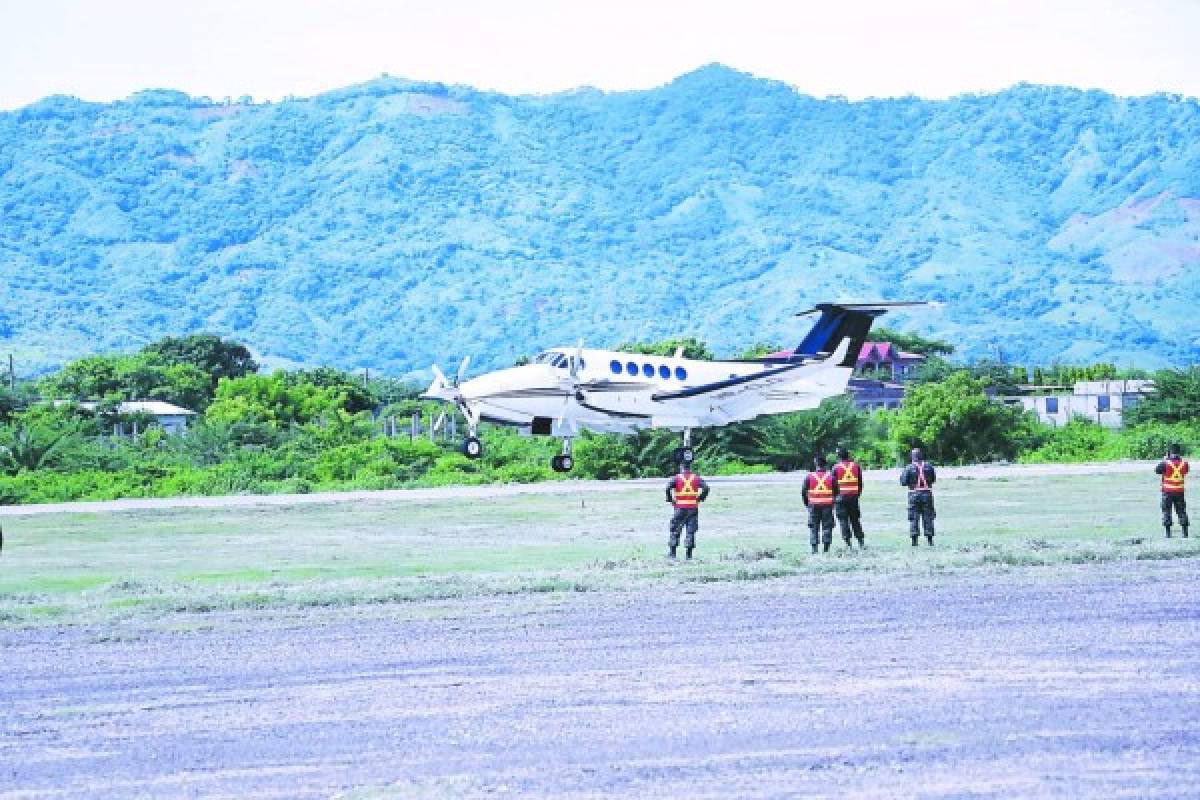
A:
[391,224]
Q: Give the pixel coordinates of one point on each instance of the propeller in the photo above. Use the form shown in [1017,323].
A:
[441,388]
[576,361]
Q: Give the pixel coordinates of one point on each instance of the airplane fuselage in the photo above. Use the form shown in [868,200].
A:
[611,391]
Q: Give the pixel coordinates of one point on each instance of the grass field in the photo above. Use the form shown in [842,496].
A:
[94,568]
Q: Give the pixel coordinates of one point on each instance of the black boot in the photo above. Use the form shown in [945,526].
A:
[688,553]
[827,547]
[861,543]
[814,549]
[915,538]
[849,542]
[1185,527]
[671,551]
[1168,529]
[929,538]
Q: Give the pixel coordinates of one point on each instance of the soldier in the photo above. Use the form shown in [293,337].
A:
[818,493]
[919,478]
[1173,470]
[848,475]
[686,491]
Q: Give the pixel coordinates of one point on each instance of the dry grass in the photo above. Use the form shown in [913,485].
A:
[93,568]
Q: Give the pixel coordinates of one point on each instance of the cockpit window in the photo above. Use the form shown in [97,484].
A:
[556,359]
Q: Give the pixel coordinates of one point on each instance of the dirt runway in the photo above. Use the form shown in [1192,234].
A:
[1051,682]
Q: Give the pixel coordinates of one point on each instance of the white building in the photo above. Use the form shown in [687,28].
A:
[172,418]
[1102,402]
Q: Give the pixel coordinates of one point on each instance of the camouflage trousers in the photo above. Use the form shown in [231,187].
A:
[684,518]
[920,512]
[1174,501]
[849,517]
[820,518]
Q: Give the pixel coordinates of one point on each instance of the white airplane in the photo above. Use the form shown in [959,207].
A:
[566,390]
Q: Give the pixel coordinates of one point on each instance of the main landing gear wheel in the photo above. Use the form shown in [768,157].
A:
[472,447]
[562,463]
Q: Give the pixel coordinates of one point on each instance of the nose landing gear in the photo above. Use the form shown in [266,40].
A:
[685,454]
[564,462]
[472,448]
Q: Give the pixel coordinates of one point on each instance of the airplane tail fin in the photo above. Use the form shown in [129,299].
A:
[838,322]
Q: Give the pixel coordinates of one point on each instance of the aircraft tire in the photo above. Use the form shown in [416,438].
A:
[566,463]
[472,447]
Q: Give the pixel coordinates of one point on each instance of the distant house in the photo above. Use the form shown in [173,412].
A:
[1102,402]
[885,362]
[171,418]
[880,373]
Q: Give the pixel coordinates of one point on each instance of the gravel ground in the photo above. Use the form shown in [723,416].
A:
[1048,682]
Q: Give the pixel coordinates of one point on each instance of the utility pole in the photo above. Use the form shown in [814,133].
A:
[12,375]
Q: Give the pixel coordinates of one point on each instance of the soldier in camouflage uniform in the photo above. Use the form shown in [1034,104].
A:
[685,491]
[849,477]
[819,492]
[919,477]
[1173,470]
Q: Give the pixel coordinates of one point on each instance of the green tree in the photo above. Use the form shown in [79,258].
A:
[759,350]
[210,354]
[932,370]
[129,377]
[954,422]
[353,396]
[912,342]
[9,403]
[789,441]
[272,400]
[36,440]
[692,348]
[1177,398]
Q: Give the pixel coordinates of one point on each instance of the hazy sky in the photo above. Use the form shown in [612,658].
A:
[107,49]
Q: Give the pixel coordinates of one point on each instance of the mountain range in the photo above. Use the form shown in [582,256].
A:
[396,223]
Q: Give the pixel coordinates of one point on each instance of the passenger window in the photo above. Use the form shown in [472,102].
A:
[648,370]
[680,373]
[631,368]
[664,372]
[615,366]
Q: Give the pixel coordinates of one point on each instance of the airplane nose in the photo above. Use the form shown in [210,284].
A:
[504,380]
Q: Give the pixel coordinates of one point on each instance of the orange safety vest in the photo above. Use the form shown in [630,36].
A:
[849,478]
[922,484]
[1174,471]
[820,490]
[687,490]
